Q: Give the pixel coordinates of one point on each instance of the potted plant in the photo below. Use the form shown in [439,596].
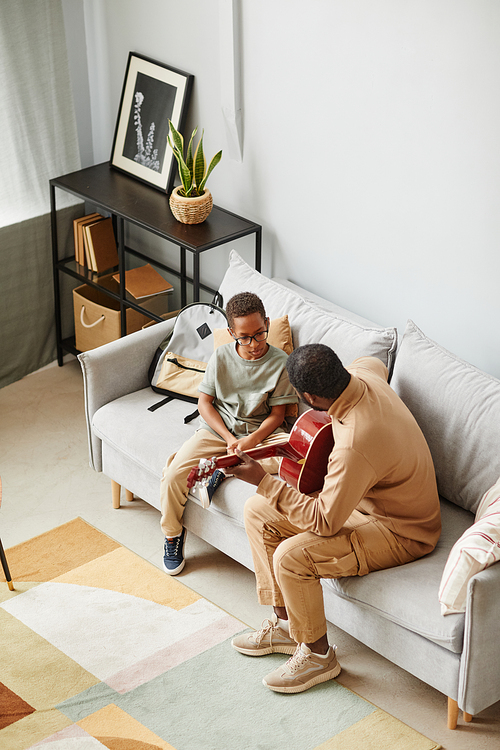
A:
[191,202]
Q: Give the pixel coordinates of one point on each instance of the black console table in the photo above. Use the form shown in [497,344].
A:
[127,199]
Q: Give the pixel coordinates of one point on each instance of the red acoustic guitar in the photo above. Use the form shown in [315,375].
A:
[304,454]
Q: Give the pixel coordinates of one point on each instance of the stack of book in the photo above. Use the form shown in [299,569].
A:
[95,244]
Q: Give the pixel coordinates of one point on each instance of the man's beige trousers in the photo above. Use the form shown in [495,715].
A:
[289,562]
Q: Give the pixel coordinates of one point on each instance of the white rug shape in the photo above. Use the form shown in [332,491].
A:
[114,630]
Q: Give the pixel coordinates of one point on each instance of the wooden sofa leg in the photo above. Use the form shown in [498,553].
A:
[467,717]
[115,494]
[129,496]
[452,713]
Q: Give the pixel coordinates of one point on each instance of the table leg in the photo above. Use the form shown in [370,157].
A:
[120,230]
[6,568]
[196,277]
[183,277]
[258,249]
[55,271]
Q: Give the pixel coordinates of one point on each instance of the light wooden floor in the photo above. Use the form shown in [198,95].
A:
[47,481]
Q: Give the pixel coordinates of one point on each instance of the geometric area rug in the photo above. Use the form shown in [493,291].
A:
[101,649]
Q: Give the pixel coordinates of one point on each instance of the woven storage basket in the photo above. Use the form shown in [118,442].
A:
[97,316]
[190,210]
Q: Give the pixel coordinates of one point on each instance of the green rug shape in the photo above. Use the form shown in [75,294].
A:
[216,701]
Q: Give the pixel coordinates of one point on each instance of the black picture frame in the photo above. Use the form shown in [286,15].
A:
[153,93]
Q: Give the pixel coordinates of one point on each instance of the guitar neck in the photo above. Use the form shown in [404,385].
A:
[263,451]
[305,454]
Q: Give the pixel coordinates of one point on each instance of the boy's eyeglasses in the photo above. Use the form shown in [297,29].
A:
[247,340]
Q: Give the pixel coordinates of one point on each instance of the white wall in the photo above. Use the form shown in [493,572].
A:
[371,146]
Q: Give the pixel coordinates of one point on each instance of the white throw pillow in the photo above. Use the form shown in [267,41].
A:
[308,322]
[477,548]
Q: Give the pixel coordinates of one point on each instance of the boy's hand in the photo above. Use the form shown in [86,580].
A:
[249,471]
[242,444]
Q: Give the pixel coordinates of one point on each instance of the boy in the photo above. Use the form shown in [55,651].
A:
[242,401]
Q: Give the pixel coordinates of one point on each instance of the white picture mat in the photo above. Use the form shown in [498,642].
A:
[159,73]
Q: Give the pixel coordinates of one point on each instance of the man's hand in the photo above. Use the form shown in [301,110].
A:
[249,470]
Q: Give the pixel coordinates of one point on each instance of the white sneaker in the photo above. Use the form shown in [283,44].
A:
[270,639]
[303,670]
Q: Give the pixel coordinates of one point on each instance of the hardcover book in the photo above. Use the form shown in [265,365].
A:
[144,282]
[78,225]
[101,245]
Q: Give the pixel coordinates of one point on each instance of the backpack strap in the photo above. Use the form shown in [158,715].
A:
[161,403]
[189,418]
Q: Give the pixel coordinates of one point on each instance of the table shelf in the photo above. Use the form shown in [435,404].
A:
[128,200]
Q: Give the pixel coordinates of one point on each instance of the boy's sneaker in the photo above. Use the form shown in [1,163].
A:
[173,554]
[207,493]
[303,670]
[270,639]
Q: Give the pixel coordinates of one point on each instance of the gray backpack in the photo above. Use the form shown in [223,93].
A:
[180,361]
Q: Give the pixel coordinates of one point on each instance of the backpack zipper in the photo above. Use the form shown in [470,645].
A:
[183,367]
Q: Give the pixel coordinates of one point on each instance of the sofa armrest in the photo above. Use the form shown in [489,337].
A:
[114,370]
[479,684]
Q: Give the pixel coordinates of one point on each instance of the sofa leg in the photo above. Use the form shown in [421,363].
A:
[467,717]
[129,496]
[115,494]
[452,713]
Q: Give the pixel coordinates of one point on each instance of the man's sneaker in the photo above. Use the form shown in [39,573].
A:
[207,493]
[270,639]
[303,670]
[173,554]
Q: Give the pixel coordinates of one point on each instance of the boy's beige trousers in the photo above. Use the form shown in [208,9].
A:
[173,487]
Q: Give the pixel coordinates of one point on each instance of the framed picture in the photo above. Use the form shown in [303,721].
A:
[153,94]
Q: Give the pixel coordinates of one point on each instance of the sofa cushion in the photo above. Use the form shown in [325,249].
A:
[309,323]
[477,548]
[387,591]
[280,335]
[330,307]
[458,409]
[156,435]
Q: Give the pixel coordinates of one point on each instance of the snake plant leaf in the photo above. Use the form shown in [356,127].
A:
[189,154]
[186,178]
[184,173]
[212,164]
[176,138]
[199,165]
[192,169]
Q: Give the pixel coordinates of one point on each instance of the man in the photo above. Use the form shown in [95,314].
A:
[378,508]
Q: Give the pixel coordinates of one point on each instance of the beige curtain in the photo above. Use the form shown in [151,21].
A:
[39,141]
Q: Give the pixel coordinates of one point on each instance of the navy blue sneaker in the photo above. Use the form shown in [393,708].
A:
[173,554]
[207,493]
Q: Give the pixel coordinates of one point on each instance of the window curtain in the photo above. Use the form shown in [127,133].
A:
[39,141]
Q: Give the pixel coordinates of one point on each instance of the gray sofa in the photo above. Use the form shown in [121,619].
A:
[395,612]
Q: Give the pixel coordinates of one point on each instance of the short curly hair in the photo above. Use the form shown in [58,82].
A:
[244,303]
[316,369]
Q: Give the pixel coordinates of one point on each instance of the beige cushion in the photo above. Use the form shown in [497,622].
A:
[477,548]
[280,335]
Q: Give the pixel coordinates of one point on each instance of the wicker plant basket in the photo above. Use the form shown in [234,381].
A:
[190,210]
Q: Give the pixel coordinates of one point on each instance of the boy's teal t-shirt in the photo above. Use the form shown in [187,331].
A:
[245,390]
